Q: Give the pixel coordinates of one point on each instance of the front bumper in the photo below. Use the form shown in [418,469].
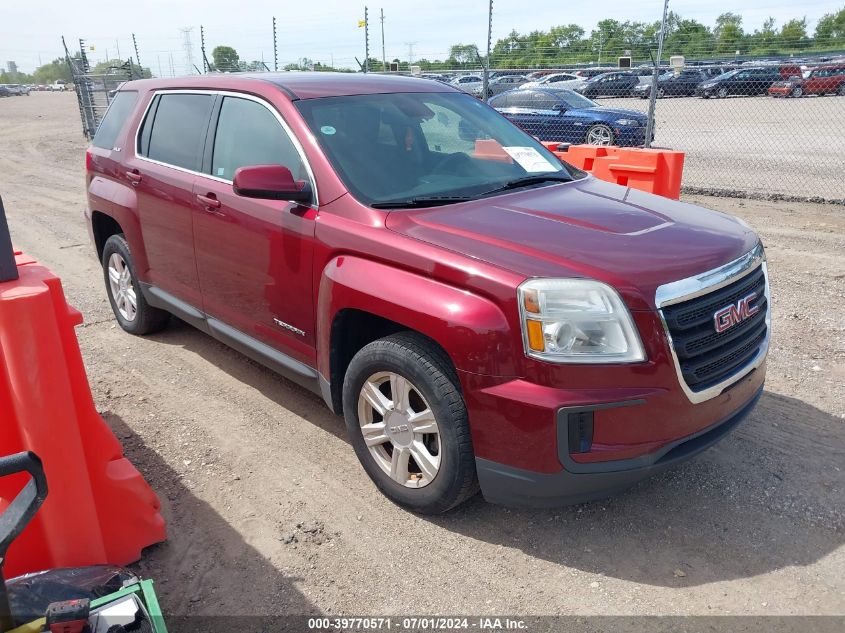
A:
[582,482]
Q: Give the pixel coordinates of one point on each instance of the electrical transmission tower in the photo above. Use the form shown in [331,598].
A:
[188,46]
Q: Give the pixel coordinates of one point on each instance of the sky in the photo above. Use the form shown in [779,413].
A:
[325,30]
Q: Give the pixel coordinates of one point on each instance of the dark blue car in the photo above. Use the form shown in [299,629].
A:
[564,116]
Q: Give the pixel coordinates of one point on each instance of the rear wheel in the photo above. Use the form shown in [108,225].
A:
[600,134]
[132,311]
[408,424]
[841,91]
[661,93]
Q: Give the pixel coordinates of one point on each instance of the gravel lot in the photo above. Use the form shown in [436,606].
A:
[269,512]
[791,147]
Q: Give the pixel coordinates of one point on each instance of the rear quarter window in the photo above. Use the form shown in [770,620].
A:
[116,116]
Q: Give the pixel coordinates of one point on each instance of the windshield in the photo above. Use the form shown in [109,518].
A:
[730,73]
[402,146]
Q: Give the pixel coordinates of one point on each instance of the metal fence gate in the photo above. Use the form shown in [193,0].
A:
[94,90]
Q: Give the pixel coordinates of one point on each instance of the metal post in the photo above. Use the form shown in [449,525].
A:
[275,48]
[652,101]
[383,56]
[486,76]
[8,269]
[202,46]
[137,57]
[366,41]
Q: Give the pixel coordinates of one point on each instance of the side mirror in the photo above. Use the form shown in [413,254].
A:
[270,182]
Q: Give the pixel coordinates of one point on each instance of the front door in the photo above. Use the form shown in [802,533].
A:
[254,256]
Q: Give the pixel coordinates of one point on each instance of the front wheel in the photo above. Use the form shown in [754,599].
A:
[841,91]
[797,91]
[600,134]
[408,424]
[723,93]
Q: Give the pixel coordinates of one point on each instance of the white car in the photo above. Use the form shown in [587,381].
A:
[469,83]
[559,80]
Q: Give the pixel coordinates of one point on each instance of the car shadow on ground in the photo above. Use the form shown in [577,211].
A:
[769,496]
[201,570]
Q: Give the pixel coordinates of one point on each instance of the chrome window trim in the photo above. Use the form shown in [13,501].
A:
[226,93]
[705,283]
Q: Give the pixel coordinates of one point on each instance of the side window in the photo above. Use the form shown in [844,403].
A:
[117,114]
[178,129]
[542,101]
[525,99]
[249,134]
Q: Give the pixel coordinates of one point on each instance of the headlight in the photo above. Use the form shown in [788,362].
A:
[628,122]
[577,321]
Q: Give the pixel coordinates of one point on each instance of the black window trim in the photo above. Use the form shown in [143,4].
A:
[214,116]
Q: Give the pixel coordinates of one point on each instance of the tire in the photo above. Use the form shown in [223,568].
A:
[140,318]
[661,93]
[431,385]
[841,91]
[600,134]
[723,93]
[797,91]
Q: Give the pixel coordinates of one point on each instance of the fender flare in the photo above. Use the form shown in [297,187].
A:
[472,329]
[119,202]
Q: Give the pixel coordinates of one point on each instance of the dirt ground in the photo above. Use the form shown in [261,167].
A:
[269,511]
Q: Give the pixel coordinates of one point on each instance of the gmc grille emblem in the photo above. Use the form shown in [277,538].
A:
[732,315]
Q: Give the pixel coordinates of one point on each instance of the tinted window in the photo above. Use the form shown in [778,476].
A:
[119,110]
[179,128]
[249,134]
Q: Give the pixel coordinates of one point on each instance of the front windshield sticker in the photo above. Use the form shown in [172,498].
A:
[328,129]
[530,159]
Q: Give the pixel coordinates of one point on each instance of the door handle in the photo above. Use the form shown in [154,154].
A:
[209,202]
[133,177]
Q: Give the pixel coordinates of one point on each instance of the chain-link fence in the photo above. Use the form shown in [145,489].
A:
[774,129]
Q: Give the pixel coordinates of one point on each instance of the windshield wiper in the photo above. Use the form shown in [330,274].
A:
[528,180]
[434,201]
[421,201]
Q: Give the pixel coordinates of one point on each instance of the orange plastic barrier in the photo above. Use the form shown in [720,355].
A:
[656,171]
[99,508]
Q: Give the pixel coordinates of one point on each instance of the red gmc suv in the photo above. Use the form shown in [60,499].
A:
[481,314]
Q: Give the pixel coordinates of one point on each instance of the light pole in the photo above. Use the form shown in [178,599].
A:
[485,85]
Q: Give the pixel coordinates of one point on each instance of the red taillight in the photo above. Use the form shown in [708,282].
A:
[89,160]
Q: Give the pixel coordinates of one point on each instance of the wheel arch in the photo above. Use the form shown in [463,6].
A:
[354,310]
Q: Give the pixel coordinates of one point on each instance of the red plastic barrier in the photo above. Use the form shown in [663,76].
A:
[99,508]
[656,171]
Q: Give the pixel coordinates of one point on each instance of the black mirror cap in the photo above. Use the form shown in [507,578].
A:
[302,196]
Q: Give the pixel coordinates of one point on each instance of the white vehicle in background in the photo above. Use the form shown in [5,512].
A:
[60,85]
[473,84]
[556,80]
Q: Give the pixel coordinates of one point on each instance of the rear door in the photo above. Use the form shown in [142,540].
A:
[254,256]
[168,156]
[518,106]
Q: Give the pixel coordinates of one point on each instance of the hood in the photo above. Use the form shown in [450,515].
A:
[632,240]
[607,113]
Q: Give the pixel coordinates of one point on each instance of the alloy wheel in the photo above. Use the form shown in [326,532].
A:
[122,289]
[600,135]
[399,429]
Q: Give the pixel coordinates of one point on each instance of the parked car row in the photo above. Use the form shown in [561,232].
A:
[14,90]
[781,80]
